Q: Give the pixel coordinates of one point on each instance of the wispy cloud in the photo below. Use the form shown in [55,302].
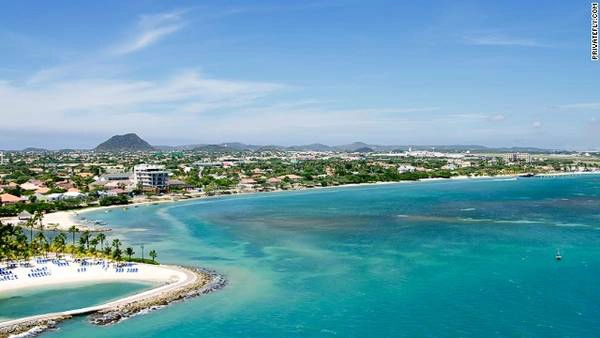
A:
[500,40]
[494,117]
[149,30]
[580,106]
[497,117]
[83,101]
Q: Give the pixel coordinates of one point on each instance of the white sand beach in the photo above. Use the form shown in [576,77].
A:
[48,272]
[61,220]
[172,283]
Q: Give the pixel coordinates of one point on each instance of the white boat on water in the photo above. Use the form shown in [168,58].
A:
[558,255]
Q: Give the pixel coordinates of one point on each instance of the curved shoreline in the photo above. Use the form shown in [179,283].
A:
[196,282]
[62,220]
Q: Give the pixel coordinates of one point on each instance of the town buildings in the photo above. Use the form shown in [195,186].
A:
[517,157]
[150,177]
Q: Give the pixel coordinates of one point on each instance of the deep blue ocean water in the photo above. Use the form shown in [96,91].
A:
[435,259]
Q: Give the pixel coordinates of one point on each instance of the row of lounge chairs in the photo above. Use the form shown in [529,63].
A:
[6,275]
[128,270]
[60,263]
[39,272]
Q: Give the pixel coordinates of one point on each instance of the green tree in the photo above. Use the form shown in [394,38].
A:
[116,254]
[40,243]
[153,254]
[84,239]
[30,223]
[93,243]
[101,237]
[116,243]
[59,241]
[73,230]
[129,252]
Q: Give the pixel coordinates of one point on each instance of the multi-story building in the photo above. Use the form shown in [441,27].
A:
[3,159]
[150,177]
[517,157]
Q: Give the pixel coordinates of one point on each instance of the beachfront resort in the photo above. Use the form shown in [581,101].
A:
[55,181]
[47,260]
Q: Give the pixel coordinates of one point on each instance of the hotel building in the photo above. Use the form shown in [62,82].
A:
[150,177]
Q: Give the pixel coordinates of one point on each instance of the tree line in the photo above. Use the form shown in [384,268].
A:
[15,244]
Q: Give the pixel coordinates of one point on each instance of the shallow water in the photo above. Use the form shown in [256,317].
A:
[447,258]
[24,303]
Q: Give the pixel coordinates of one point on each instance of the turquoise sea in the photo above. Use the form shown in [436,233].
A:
[25,303]
[434,259]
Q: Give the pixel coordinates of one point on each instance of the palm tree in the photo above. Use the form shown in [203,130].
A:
[40,241]
[153,254]
[59,242]
[13,243]
[129,252]
[84,239]
[73,230]
[30,224]
[116,253]
[40,218]
[116,243]
[93,243]
[101,237]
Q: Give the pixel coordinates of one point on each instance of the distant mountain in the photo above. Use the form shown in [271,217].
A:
[240,146]
[311,147]
[34,150]
[354,146]
[361,147]
[363,150]
[127,142]
[132,142]
[217,148]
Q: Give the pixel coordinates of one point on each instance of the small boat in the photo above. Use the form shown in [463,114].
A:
[558,255]
[527,175]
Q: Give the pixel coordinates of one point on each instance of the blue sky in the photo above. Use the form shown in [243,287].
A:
[495,73]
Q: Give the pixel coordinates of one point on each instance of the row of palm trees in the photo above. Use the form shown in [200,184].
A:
[14,244]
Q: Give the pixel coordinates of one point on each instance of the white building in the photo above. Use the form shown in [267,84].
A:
[150,177]
[3,159]
[517,157]
[405,168]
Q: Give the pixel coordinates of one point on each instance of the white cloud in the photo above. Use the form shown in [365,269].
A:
[68,104]
[150,29]
[580,106]
[476,116]
[497,117]
[536,124]
[500,40]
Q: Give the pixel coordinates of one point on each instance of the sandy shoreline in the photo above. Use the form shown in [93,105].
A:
[54,274]
[173,283]
[63,220]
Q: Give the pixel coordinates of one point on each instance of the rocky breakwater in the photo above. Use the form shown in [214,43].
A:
[207,281]
[31,328]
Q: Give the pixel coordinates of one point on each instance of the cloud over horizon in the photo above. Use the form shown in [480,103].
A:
[150,29]
[252,73]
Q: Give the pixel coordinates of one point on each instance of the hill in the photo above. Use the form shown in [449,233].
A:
[127,142]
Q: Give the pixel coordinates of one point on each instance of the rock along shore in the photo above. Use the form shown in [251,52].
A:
[206,281]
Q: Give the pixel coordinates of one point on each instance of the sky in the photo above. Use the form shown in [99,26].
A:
[495,73]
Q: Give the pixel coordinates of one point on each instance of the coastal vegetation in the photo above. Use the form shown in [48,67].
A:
[48,181]
[16,245]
